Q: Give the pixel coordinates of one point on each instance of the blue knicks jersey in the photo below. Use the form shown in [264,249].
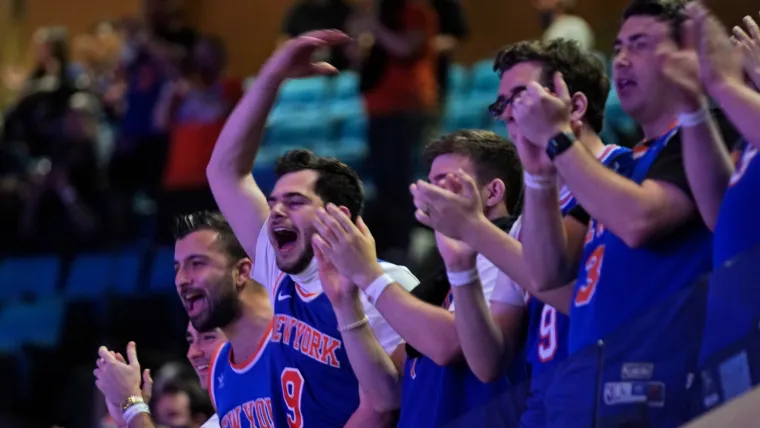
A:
[732,296]
[615,282]
[548,328]
[242,393]
[736,229]
[313,383]
[452,396]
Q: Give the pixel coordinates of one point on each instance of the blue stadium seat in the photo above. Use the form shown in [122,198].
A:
[484,79]
[300,130]
[458,80]
[38,323]
[35,275]
[346,85]
[498,127]
[465,113]
[162,270]
[92,275]
[306,91]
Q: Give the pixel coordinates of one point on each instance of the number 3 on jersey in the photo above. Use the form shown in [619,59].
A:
[548,343]
[292,389]
[593,272]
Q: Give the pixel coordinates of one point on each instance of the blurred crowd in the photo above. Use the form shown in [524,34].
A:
[89,146]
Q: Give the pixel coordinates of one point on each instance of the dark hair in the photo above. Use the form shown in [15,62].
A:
[670,11]
[214,221]
[199,399]
[337,183]
[492,156]
[583,71]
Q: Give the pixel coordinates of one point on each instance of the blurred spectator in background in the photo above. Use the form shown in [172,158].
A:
[400,90]
[49,136]
[193,110]
[558,22]
[310,15]
[452,28]
[153,54]
[181,403]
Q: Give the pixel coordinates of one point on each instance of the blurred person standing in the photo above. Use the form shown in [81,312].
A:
[559,22]
[400,90]
[452,29]
[154,52]
[193,110]
[310,15]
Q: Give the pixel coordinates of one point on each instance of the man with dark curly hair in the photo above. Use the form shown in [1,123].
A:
[313,254]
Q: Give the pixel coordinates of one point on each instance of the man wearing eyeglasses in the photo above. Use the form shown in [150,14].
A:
[546,345]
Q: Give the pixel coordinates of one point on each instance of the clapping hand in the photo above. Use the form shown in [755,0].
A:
[749,44]
[349,247]
[450,206]
[540,115]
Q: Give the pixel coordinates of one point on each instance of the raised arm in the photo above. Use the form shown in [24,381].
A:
[239,198]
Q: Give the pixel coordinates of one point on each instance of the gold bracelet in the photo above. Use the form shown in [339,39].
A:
[131,401]
[354,325]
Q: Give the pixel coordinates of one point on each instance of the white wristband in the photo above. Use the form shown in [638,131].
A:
[460,279]
[376,287]
[134,410]
[539,182]
[688,120]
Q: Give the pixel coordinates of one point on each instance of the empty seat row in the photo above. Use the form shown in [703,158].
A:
[88,275]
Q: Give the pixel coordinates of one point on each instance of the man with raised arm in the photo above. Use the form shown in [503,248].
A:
[322,350]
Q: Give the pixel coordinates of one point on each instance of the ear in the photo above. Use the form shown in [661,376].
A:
[578,106]
[345,211]
[242,272]
[496,191]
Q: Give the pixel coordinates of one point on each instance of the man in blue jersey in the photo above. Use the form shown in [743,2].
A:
[438,387]
[459,216]
[645,244]
[322,351]
[725,191]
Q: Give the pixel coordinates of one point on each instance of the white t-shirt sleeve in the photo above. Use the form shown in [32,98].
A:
[386,336]
[487,272]
[212,423]
[265,269]
[505,289]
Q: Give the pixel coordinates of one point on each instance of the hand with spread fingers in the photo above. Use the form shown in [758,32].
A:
[749,44]
[449,207]
[294,58]
[349,247]
[681,67]
[720,61]
[540,114]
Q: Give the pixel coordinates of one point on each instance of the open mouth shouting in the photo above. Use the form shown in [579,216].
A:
[284,239]
[195,302]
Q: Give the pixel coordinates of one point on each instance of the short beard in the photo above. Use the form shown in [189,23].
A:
[222,311]
[300,265]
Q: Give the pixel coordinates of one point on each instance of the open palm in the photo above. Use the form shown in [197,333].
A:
[294,58]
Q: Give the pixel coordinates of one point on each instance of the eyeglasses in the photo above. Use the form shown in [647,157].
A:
[496,109]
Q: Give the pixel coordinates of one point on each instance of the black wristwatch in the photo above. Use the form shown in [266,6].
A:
[559,144]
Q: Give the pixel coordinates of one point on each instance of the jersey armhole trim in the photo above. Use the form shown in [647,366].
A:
[211,375]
